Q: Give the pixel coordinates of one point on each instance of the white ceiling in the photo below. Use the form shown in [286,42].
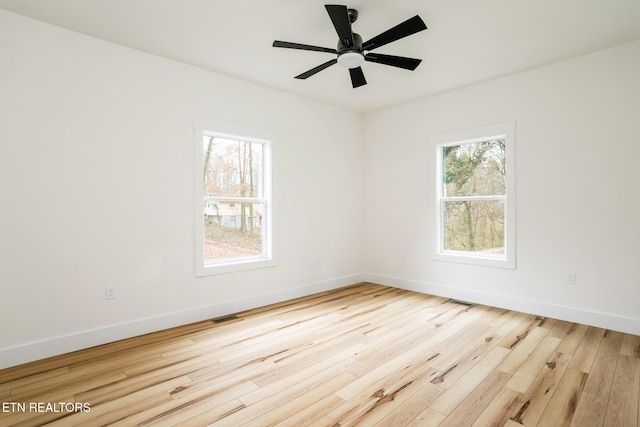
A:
[468,41]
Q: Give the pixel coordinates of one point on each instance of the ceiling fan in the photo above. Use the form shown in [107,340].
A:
[352,52]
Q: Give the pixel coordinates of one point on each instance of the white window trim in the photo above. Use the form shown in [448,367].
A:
[500,130]
[224,129]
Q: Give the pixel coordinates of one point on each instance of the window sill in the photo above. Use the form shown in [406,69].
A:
[233,267]
[476,259]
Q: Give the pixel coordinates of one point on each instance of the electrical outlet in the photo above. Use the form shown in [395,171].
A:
[570,278]
[110,292]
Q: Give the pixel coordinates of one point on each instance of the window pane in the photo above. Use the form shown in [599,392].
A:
[232,230]
[474,169]
[232,168]
[474,226]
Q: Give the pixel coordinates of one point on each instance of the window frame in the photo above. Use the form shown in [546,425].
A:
[206,126]
[504,131]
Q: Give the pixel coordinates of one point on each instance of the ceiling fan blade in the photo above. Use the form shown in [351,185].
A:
[394,61]
[340,18]
[404,29]
[357,77]
[278,43]
[317,69]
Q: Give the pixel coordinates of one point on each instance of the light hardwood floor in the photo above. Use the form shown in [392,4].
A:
[364,355]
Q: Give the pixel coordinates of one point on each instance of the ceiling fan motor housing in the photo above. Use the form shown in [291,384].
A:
[351,56]
[357,45]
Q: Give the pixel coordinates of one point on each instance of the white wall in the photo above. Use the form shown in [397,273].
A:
[96,178]
[577,201]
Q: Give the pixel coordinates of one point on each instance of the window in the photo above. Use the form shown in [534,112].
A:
[233,197]
[475,201]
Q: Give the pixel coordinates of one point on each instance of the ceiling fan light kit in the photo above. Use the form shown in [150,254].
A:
[351,59]
[351,51]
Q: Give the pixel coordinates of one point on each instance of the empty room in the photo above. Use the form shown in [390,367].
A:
[409,213]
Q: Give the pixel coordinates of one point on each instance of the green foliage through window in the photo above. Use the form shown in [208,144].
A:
[473,196]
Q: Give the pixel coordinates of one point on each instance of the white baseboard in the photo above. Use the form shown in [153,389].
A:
[29,352]
[560,312]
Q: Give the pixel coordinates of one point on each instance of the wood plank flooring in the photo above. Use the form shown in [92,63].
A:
[364,355]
